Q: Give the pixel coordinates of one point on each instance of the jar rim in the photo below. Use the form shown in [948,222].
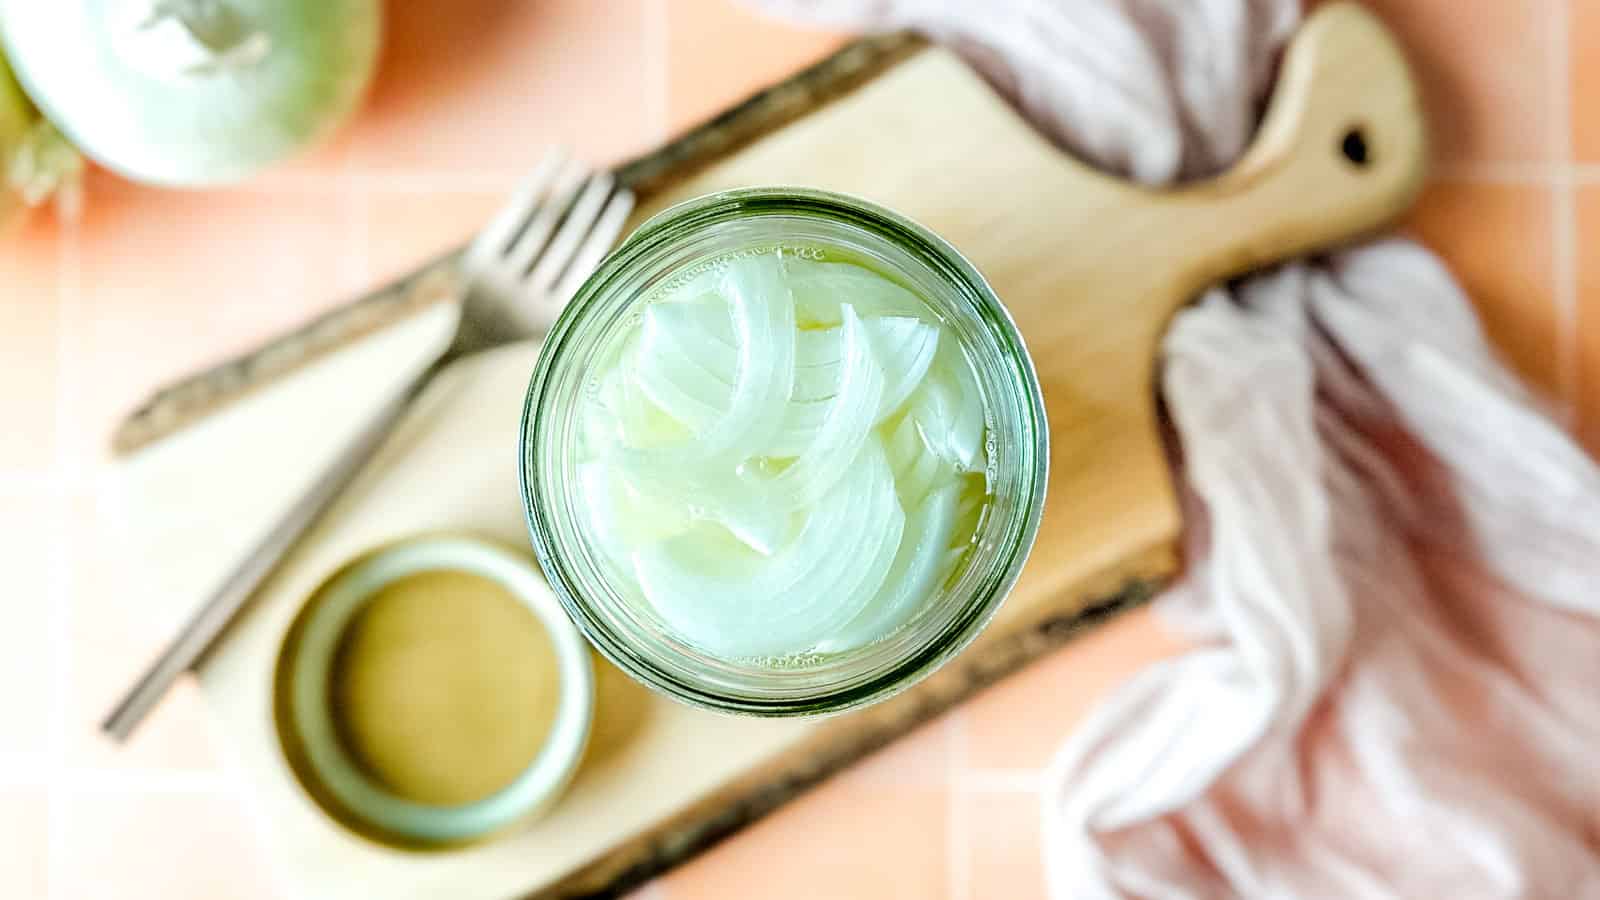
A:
[746,690]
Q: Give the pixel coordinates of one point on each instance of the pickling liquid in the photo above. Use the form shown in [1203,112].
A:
[784,455]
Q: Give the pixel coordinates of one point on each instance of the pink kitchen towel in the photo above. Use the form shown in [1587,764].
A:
[1393,579]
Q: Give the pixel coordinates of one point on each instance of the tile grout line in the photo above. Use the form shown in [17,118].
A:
[168,782]
[68,288]
[236,789]
[1000,781]
[1564,213]
[55,774]
[958,837]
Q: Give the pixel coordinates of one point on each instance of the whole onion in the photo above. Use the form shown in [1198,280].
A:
[192,92]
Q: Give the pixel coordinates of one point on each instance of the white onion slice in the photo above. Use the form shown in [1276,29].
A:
[919,565]
[843,433]
[820,288]
[756,507]
[949,407]
[701,329]
[763,325]
[674,375]
[712,496]
[623,514]
[907,351]
[688,369]
[664,478]
[623,411]
[793,599]
[917,469]
[603,520]
[754,450]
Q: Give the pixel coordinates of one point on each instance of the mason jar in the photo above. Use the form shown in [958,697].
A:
[798,224]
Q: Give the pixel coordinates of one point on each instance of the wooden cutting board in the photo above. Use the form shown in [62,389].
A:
[1091,267]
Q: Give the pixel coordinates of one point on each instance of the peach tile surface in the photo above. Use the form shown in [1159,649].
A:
[1483,67]
[24,841]
[157,839]
[844,840]
[1506,262]
[1001,858]
[30,345]
[1583,57]
[31,520]
[150,283]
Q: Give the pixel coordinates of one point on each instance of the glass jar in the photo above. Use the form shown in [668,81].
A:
[669,248]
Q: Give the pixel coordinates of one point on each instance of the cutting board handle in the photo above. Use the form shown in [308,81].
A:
[1341,151]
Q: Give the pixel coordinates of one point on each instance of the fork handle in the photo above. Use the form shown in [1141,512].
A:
[202,629]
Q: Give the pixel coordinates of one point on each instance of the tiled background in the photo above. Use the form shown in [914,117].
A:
[150,284]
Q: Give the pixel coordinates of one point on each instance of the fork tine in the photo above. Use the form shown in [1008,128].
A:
[556,257]
[596,245]
[496,237]
[527,247]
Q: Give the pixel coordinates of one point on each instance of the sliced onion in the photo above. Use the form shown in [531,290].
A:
[689,366]
[790,601]
[756,507]
[602,518]
[917,469]
[635,418]
[700,328]
[949,408]
[624,514]
[921,563]
[907,348]
[675,373]
[763,325]
[661,480]
[710,495]
[843,432]
[821,288]
[772,520]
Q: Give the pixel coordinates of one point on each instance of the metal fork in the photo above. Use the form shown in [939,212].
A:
[519,273]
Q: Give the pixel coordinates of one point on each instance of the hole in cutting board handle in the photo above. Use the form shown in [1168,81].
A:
[1354,147]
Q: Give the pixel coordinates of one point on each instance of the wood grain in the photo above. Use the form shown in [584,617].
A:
[1092,268]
